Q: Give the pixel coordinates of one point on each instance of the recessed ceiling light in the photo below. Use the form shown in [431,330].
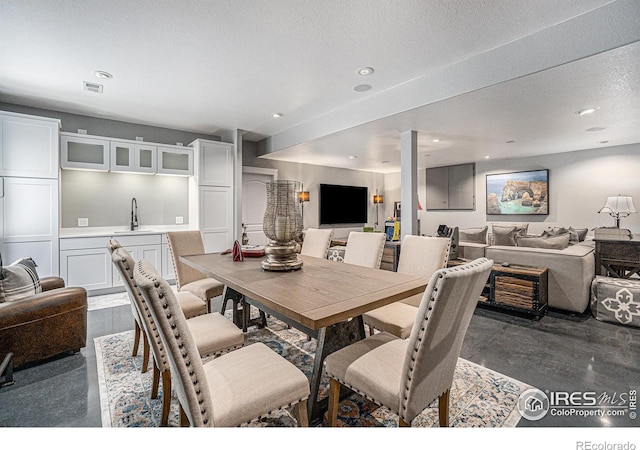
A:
[436,140]
[102,74]
[584,112]
[384,162]
[603,142]
[509,142]
[362,87]
[277,114]
[365,71]
[352,157]
[596,129]
[487,157]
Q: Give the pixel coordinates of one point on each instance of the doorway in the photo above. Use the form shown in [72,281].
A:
[254,201]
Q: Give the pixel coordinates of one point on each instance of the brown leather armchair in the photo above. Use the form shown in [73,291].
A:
[45,324]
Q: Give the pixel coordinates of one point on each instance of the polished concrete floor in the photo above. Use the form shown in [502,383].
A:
[556,354]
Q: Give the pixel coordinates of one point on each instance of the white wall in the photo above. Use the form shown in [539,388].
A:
[312,176]
[579,184]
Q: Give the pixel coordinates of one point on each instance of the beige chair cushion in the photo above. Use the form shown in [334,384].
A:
[214,334]
[364,249]
[316,242]
[250,382]
[206,288]
[396,318]
[373,367]
[183,243]
[191,304]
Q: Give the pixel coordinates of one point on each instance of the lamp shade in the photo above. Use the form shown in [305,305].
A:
[303,196]
[377,199]
[619,205]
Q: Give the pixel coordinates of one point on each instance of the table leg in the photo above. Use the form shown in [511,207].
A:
[330,339]
[236,301]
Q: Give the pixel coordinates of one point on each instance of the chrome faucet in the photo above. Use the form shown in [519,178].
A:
[134,213]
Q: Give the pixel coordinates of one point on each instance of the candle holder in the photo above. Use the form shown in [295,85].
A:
[282,225]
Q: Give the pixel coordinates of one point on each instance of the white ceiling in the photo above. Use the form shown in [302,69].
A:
[472,73]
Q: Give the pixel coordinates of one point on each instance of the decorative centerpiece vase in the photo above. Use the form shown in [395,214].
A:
[282,225]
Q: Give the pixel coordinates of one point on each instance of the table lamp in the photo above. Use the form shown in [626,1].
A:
[618,207]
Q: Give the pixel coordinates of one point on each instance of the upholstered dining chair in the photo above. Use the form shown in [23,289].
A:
[227,391]
[364,249]
[406,375]
[113,244]
[183,243]
[419,255]
[212,333]
[316,242]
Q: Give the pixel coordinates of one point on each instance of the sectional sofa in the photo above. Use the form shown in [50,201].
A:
[571,267]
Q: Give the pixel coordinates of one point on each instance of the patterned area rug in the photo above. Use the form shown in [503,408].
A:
[479,398]
[107,301]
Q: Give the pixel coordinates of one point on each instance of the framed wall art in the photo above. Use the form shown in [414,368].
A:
[519,193]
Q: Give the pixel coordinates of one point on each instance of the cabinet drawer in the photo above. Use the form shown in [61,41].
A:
[80,243]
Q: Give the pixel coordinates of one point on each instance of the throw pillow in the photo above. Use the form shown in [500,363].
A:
[474,235]
[521,228]
[504,235]
[19,280]
[558,242]
[580,234]
[554,231]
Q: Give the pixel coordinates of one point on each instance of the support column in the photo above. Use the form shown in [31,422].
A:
[409,184]
[237,186]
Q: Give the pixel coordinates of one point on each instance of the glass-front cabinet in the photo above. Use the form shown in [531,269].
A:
[145,158]
[175,161]
[80,152]
[122,157]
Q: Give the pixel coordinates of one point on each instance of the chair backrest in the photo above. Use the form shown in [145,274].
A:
[316,242]
[438,332]
[187,371]
[125,264]
[112,246]
[182,243]
[423,255]
[364,249]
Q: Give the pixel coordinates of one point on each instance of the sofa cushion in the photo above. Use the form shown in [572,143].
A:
[474,235]
[558,242]
[19,280]
[554,231]
[504,235]
[578,234]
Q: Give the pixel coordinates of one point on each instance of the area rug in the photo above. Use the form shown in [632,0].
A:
[107,301]
[479,397]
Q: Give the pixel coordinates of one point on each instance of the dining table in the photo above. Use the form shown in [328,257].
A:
[324,299]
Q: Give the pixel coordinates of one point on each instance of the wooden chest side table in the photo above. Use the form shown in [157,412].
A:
[619,259]
[520,289]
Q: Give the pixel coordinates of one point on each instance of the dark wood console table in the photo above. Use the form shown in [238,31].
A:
[619,258]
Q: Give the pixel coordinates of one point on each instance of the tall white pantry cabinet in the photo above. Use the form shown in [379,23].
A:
[29,168]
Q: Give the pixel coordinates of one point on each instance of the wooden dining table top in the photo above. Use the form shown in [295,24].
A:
[319,294]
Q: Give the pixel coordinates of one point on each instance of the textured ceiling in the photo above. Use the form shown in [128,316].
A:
[216,66]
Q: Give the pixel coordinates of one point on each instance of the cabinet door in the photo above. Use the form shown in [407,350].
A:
[29,222]
[89,268]
[216,163]
[145,158]
[175,161]
[216,218]
[122,157]
[28,147]
[438,188]
[462,186]
[168,272]
[150,253]
[78,152]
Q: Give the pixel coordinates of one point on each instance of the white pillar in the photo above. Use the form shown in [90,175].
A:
[409,183]
[237,186]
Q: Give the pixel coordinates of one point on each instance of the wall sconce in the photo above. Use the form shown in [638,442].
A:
[618,207]
[303,196]
[377,199]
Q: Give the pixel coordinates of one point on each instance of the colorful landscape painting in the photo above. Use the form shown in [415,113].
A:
[518,193]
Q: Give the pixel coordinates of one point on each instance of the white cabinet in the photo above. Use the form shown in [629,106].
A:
[175,161]
[122,157]
[216,218]
[86,262]
[168,271]
[29,222]
[28,146]
[81,152]
[145,158]
[214,163]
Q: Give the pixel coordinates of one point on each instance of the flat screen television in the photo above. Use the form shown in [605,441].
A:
[343,204]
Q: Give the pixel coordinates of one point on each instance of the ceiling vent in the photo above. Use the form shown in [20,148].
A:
[92,87]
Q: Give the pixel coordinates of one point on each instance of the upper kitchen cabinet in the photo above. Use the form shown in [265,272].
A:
[175,160]
[122,157]
[28,146]
[214,162]
[83,152]
[145,158]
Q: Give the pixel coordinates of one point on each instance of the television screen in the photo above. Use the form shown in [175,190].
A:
[343,204]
